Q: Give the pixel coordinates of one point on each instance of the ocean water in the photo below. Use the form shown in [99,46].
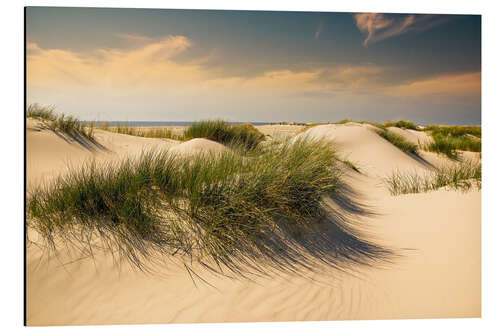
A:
[164,123]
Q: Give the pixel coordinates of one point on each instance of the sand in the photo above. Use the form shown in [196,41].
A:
[437,234]
[280,131]
[416,137]
[198,146]
[360,144]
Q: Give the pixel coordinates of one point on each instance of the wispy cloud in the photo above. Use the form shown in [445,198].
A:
[378,27]
[319,29]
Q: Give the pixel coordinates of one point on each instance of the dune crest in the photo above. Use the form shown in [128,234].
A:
[363,146]
[197,146]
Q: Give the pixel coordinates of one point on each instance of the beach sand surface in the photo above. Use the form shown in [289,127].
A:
[436,235]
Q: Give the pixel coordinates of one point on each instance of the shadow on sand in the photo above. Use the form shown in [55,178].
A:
[88,143]
[336,241]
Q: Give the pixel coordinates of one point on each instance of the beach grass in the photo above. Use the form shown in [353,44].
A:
[399,141]
[378,125]
[402,124]
[464,176]
[455,131]
[38,111]
[69,125]
[159,133]
[207,205]
[219,130]
[345,121]
[449,139]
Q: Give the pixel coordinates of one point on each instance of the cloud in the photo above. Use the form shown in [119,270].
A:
[155,66]
[152,68]
[458,86]
[319,29]
[151,81]
[378,27]
[111,67]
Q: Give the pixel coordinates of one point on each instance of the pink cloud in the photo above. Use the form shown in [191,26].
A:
[378,27]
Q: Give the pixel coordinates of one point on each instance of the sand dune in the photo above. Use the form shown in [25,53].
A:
[416,137]
[281,131]
[196,146]
[48,154]
[436,236]
[363,146]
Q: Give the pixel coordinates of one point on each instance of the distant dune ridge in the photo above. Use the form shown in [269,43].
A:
[435,271]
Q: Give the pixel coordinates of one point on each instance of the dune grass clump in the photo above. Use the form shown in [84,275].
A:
[464,176]
[455,131]
[162,133]
[378,125]
[449,139]
[218,130]
[60,122]
[399,141]
[449,145]
[402,124]
[159,133]
[41,112]
[345,121]
[204,206]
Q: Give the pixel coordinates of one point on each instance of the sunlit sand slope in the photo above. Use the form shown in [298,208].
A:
[436,236]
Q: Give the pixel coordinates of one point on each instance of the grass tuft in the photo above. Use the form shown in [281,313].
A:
[402,124]
[455,131]
[399,141]
[159,133]
[220,131]
[345,121]
[462,176]
[61,122]
[41,112]
[207,206]
[449,139]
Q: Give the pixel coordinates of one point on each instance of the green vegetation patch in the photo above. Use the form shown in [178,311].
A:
[399,141]
[41,112]
[218,130]
[60,122]
[401,124]
[449,139]
[455,131]
[465,175]
[159,133]
[345,121]
[216,206]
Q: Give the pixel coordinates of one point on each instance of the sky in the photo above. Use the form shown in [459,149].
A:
[187,65]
